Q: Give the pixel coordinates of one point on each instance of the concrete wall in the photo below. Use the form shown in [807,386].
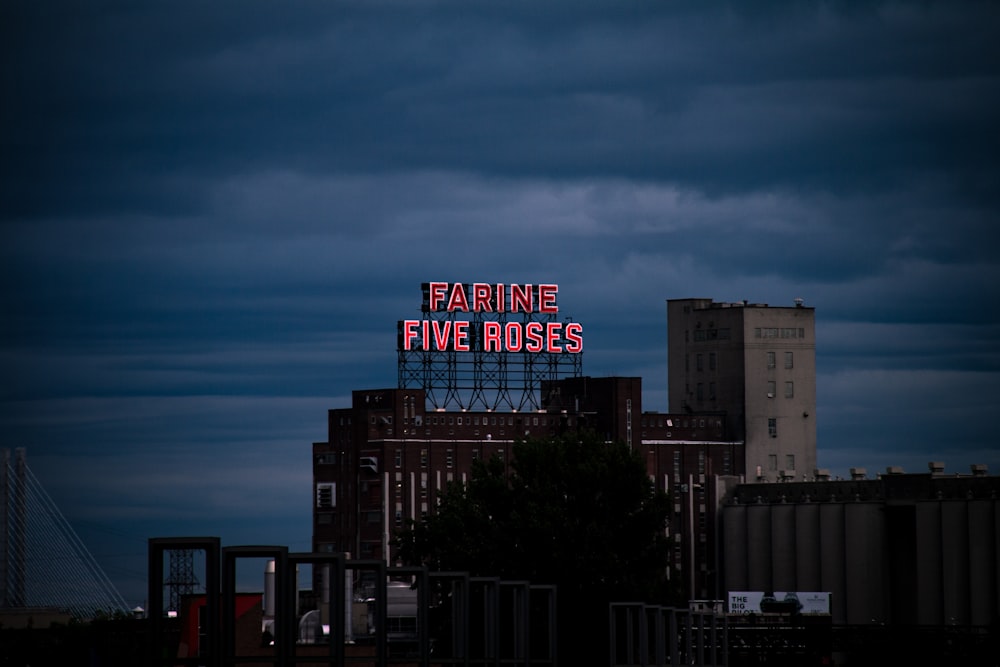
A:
[919,561]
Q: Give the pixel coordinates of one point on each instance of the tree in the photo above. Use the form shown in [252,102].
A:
[574,511]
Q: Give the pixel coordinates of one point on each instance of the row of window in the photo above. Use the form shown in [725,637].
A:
[772,360]
[469,420]
[678,423]
[772,462]
[699,361]
[710,334]
[779,332]
[449,457]
[699,390]
[789,389]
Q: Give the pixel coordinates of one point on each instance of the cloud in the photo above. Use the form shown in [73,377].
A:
[212,215]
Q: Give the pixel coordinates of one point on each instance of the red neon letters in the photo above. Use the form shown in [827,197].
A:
[492,298]
[491,335]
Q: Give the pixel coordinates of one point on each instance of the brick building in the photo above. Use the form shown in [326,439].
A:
[387,458]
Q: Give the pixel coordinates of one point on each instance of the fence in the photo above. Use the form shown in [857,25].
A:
[367,613]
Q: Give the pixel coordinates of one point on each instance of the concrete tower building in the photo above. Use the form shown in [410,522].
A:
[756,365]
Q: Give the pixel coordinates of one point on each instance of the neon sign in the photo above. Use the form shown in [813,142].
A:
[491,335]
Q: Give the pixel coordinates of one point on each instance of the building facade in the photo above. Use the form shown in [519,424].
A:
[901,549]
[755,365]
[387,459]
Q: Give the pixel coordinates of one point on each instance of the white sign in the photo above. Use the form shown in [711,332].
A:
[808,602]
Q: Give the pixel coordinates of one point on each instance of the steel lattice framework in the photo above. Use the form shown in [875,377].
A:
[182,580]
[480,379]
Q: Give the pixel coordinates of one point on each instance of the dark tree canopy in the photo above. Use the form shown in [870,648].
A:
[574,511]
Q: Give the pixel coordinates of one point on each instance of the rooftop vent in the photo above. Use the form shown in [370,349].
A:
[798,302]
[822,474]
[936,466]
[858,473]
[979,469]
[894,470]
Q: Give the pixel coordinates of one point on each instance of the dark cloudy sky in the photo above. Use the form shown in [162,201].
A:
[213,213]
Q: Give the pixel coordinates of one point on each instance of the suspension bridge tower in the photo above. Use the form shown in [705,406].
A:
[43,562]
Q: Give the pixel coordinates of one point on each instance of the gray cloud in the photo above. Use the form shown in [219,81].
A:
[212,215]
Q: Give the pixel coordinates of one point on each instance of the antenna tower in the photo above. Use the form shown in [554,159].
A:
[181,581]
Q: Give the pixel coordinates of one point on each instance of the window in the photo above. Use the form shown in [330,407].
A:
[770,389]
[401,625]
[423,458]
[772,462]
[399,458]
[701,391]
[449,460]
[770,360]
[711,391]
[789,461]
[711,361]
[325,495]
[788,360]
[789,389]
[698,362]
[772,427]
